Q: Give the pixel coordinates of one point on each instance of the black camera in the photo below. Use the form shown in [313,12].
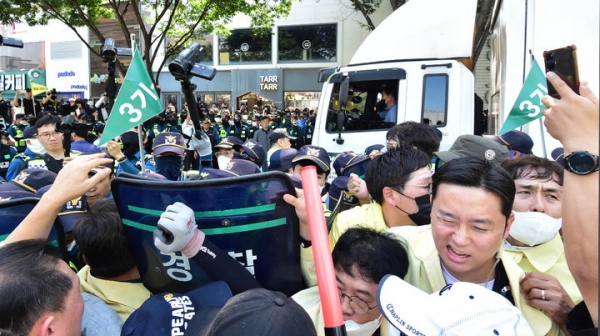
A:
[187,64]
[68,128]
[52,93]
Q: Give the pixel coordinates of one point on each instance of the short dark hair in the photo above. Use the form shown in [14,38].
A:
[415,134]
[82,133]
[389,91]
[103,241]
[533,167]
[47,119]
[393,169]
[477,173]
[30,284]
[375,254]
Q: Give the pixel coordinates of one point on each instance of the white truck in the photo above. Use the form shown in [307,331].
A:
[420,51]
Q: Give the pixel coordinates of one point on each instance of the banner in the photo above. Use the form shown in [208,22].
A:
[528,106]
[136,102]
[36,89]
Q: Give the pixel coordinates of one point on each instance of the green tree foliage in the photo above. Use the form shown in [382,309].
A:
[177,21]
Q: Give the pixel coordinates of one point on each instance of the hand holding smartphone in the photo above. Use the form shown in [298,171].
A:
[563,62]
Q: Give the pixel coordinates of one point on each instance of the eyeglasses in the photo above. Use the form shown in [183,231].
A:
[426,186]
[357,304]
[46,136]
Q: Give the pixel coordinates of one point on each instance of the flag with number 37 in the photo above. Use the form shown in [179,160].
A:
[528,106]
[136,102]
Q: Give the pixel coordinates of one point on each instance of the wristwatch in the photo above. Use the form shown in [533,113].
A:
[581,162]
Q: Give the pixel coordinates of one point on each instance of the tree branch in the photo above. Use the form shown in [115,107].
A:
[358,4]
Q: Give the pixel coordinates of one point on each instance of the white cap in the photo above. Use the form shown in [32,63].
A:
[461,308]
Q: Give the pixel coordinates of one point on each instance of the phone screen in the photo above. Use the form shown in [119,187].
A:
[563,62]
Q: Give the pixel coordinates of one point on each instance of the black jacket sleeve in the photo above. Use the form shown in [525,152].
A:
[220,266]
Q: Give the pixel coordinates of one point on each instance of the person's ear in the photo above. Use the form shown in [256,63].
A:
[509,222]
[45,325]
[389,195]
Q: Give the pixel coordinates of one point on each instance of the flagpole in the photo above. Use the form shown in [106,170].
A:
[543,138]
[136,102]
[139,126]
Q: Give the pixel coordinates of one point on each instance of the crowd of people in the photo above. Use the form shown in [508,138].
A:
[506,240]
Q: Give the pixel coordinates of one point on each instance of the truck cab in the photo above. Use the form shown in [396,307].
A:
[434,90]
[422,61]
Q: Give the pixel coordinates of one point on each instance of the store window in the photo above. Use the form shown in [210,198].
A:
[315,43]
[224,98]
[301,100]
[250,46]
[435,98]
[171,98]
[205,98]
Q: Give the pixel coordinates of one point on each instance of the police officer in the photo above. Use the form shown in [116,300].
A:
[16,131]
[160,125]
[5,109]
[7,153]
[221,129]
[252,127]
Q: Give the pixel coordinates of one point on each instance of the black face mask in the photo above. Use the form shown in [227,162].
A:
[169,166]
[423,215]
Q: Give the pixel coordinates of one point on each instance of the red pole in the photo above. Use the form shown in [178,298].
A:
[328,291]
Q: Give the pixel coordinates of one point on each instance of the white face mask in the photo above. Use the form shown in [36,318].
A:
[222,161]
[217,120]
[35,146]
[244,117]
[365,329]
[534,228]
[254,123]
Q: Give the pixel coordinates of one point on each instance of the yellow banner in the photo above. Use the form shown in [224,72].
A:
[37,88]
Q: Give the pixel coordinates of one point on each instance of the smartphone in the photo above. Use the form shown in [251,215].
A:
[563,62]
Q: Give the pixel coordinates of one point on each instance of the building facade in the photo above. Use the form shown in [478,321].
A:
[280,66]
[277,67]
[53,56]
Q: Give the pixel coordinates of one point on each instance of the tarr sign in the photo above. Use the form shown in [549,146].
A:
[268,83]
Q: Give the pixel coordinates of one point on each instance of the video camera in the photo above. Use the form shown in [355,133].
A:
[52,93]
[110,51]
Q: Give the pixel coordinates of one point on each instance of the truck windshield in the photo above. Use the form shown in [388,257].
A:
[366,107]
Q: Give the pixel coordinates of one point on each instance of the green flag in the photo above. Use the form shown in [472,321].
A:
[528,106]
[136,102]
